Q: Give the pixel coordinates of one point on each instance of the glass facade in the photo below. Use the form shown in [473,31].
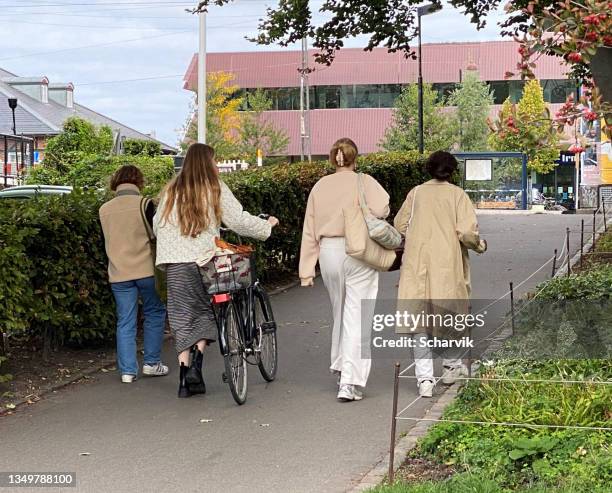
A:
[384,95]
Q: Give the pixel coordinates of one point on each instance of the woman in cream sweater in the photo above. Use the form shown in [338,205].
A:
[192,207]
[348,281]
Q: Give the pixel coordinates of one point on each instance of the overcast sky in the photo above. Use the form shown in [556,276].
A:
[103,45]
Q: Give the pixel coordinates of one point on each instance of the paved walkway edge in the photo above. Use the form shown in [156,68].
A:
[405,443]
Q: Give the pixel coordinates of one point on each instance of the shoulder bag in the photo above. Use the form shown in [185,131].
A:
[378,229]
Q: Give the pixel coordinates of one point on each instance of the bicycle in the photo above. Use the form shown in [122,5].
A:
[245,321]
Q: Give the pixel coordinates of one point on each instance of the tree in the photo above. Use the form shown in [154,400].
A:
[403,135]
[527,127]
[256,131]
[570,29]
[222,118]
[79,138]
[472,99]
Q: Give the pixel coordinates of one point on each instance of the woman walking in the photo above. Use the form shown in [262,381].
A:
[347,280]
[125,220]
[439,223]
[192,207]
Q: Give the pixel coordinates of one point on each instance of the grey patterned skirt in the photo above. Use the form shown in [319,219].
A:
[189,308]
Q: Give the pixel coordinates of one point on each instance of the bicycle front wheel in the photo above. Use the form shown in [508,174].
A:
[265,336]
[235,361]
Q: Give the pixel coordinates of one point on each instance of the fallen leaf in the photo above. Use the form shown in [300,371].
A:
[206,421]
[11,406]
[265,425]
[83,454]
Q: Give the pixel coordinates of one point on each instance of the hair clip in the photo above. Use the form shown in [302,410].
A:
[340,158]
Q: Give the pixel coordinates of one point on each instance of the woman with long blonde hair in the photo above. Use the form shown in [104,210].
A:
[192,208]
[348,280]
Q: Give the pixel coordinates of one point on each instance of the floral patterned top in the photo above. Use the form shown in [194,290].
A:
[174,248]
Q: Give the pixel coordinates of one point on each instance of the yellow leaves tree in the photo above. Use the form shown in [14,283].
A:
[222,118]
[527,127]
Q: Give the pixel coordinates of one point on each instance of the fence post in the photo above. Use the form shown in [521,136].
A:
[567,244]
[604,216]
[581,242]
[512,304]
[594,226]
[393,421]
[554,271]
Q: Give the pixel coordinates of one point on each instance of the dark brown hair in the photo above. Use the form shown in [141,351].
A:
[441,165]
[128,173]
[346,150]
[195,192]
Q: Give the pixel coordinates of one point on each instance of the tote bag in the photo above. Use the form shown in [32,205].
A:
[378,229]
[160,276]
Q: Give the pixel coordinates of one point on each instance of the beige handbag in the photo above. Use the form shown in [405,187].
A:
[360,246]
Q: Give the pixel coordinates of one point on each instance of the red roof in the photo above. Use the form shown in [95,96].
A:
[441,63]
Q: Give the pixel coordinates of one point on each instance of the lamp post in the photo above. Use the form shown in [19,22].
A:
[202,77]
[427,9]
[12,102]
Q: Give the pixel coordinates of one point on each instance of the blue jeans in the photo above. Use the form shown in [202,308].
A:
[126,298]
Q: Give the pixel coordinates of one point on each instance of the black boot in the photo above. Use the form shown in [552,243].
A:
[194,379]
[183,390]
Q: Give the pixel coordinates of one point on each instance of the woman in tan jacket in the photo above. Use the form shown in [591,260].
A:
[348,281]
[439,223]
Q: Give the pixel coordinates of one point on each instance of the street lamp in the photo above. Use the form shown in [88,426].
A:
[12,102]
[430,8]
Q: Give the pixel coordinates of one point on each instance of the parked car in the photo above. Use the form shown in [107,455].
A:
[31,191]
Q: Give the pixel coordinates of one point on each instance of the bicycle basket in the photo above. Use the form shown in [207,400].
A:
[227,272]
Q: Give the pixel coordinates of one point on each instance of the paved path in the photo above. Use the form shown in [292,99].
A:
[291,435]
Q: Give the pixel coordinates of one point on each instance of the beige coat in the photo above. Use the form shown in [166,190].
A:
[125,236]
[435,265]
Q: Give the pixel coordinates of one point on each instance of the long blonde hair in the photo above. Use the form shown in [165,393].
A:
[195,192]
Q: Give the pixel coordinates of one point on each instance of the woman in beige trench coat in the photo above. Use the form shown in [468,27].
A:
[439,223]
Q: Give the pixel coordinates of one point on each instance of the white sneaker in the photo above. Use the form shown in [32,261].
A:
[451,375]
[357,393]
[346,392]
[156,370]
[426,388]
[128,378]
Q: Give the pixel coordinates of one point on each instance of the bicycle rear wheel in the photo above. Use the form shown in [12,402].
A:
[265,342]
[235,362]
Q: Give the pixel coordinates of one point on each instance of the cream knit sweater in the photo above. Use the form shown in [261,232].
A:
[174,248]
[324,217]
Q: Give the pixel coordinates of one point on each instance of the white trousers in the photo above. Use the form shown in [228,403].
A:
[348,282]
[424,358]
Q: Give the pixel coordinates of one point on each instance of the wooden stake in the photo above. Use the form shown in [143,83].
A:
[393,422]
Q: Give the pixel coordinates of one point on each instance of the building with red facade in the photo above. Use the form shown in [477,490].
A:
[354,96]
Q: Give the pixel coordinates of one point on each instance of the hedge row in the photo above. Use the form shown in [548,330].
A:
[53,280]
[95,172]
[52,263]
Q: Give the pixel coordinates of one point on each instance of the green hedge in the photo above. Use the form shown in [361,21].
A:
[95,172]
[54,282]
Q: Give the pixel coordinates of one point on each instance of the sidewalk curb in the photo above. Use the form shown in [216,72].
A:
[111,362]
[378,473]
[375,476]
[108,362]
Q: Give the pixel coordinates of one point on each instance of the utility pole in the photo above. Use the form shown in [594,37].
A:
[304,104]
[202,78]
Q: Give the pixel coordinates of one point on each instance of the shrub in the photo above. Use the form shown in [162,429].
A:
[54,280]
[79,138]
[141,147]
[604,243]
[95,172]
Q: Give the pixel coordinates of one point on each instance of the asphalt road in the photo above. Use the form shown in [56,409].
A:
[291,435]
